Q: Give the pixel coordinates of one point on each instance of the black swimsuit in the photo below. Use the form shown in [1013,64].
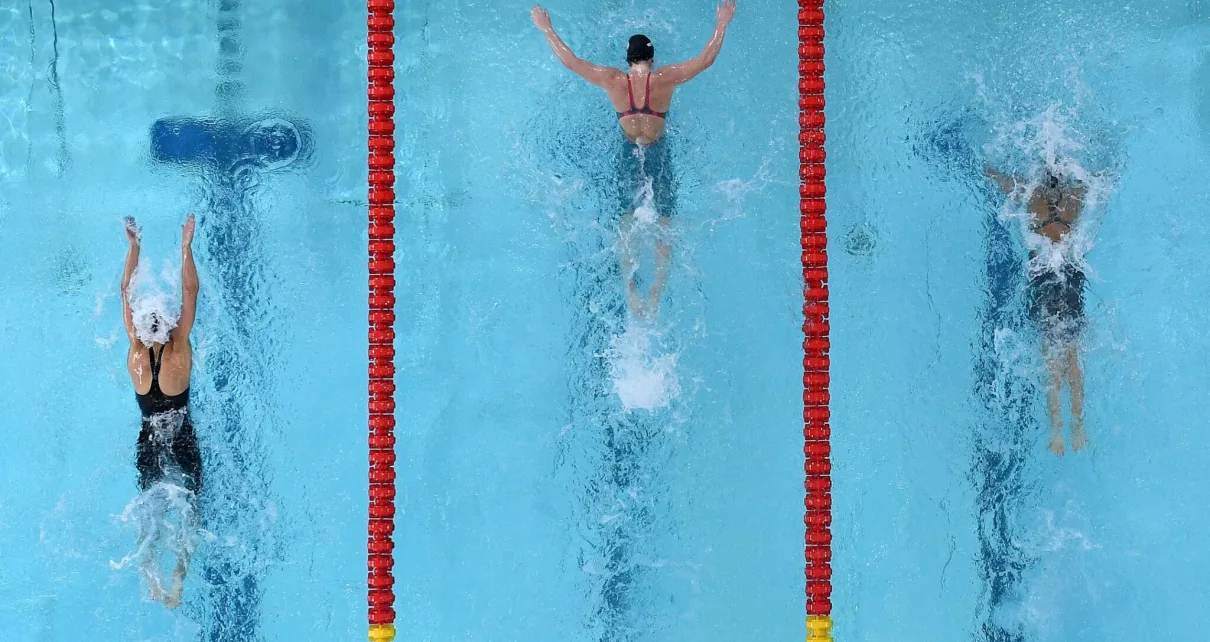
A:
[167,443]
[1056,299]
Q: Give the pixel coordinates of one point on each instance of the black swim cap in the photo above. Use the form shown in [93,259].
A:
[1052,179]
[640,49]
[155,323]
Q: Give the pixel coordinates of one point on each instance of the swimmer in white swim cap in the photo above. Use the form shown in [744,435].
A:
[160,361]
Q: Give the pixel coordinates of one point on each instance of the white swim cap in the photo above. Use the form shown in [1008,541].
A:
[152,322]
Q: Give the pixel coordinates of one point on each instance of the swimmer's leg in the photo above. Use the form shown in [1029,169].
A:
[625,239]
[147,561]
[173,599]
[664,188]
[1075,378]
[1054,368]
[663,256]
[189,527]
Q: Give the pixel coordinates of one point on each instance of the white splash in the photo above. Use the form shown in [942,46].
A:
[734,191]
[164,516]
[154,308]
[106,343]
[643,378]
[644,214]
[1051,141]
[644,198]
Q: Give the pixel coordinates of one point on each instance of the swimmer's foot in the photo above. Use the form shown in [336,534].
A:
[178,584]
[157,593]
[154,589]
[653,304]
[1056,443]
[634,301]
[1079,440]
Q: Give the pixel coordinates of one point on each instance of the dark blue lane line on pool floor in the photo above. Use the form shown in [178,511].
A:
[266,142]
[231,573]
[623,452]
[1003,443]
[231,152]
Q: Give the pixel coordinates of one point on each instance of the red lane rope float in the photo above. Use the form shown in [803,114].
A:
[817,447]
[381,147]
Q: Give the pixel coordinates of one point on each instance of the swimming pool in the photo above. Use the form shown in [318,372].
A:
[559,478]
[563,476]
[953,522]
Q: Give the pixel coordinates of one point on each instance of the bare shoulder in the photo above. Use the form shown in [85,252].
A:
[177,367]
[135,351]
[670,76]
[614,82]
[178,349]
[615,76]
[138,365]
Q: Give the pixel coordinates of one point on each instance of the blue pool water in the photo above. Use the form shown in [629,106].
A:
[565,474]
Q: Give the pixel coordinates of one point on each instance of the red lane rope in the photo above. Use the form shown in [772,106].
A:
[381,146]
[813,226]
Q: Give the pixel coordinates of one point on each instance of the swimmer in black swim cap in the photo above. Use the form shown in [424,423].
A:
[639,50]
[641,97]
[1055,296]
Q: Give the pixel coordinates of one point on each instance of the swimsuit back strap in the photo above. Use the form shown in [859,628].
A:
[155,364]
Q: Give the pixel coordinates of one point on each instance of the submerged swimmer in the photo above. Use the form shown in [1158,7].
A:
[1056,296]
[645,158]
[159,361]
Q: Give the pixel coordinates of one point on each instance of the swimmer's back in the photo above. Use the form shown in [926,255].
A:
[173,365]
[628,92]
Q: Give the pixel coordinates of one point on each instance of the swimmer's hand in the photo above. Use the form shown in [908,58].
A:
[726,11]
[540,17]
[187,232]
[132,230]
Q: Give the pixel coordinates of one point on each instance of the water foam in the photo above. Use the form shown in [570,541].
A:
[163,516]
[154,298]
[734,191]
[644,377]
[643,374]
[1051,141]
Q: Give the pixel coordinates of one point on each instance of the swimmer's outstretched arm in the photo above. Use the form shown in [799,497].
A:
[132,264]
[685,71]
[189,282]
[595,74]
[1077,191]
[1004,182]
